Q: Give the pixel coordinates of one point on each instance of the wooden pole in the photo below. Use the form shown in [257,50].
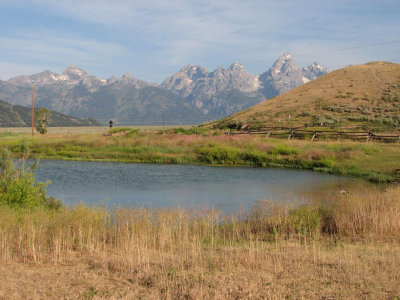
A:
[33,104]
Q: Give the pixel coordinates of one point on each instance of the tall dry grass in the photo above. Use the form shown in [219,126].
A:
[54,235]
[271,252]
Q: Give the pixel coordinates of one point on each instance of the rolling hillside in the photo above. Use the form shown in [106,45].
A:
[19,116]
[367,95]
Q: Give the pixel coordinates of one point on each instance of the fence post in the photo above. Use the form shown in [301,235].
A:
[290,134]
[315,134]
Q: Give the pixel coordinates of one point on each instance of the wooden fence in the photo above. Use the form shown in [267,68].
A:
[312,134]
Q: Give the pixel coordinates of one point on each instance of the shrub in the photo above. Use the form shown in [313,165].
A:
[18,187]
[324,120]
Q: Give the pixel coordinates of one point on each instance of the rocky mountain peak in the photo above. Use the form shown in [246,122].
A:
[112,79]
[128,80]
[284,64]
[313,71]
[193,71]
[74,72]
[236,67]
[285,75]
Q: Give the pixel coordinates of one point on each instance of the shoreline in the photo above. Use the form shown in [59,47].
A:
[375,162]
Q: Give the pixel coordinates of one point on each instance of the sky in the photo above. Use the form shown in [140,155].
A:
[152,39]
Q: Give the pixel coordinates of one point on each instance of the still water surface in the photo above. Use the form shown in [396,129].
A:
[225,188]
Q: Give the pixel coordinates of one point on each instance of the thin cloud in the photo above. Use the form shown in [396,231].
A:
[162,34]
[8,70]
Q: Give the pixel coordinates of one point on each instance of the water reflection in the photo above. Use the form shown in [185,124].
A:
[225,188]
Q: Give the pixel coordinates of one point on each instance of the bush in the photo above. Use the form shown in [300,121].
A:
[324,120]
[18,187]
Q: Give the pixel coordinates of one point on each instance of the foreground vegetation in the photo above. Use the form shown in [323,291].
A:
[376,162]
[343,247]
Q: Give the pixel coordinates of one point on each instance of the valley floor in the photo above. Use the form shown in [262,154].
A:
[284,270]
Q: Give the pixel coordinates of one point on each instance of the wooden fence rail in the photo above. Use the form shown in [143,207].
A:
[297,132]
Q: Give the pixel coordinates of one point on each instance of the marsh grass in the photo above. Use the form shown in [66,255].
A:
[372,161]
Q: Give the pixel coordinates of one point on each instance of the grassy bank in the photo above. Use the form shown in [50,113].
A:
[376,162]
[347,247]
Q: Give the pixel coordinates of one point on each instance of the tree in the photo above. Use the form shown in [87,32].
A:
[42,119]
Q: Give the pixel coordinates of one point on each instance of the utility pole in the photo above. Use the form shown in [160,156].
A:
[33,104]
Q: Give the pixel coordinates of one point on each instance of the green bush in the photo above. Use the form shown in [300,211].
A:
[18,187]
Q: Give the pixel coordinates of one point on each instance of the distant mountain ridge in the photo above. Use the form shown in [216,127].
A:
[126,100]
[192,95]
[19,116]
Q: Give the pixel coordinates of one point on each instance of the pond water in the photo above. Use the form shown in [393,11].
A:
[227,188]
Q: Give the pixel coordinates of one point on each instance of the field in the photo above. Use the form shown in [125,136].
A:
[346,246]
[347,249]
[77,130]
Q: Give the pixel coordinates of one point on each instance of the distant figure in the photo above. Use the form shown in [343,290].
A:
[111,123]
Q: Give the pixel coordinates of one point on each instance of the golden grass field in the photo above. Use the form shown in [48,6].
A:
[274,253]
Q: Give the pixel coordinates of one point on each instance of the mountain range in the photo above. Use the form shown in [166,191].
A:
[192,95]
[19,116]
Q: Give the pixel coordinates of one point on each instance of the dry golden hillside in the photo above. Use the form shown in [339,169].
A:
[367,95]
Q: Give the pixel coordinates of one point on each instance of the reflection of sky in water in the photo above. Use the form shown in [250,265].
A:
[225,188]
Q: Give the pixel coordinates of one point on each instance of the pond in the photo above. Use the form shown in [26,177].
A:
[148,185]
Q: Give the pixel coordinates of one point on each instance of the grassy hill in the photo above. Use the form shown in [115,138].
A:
[366,95]
[19,116]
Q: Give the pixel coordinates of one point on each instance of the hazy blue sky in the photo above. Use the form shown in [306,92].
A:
[153,39]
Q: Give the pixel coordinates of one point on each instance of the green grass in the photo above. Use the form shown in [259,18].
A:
[377,162]
[7,133]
